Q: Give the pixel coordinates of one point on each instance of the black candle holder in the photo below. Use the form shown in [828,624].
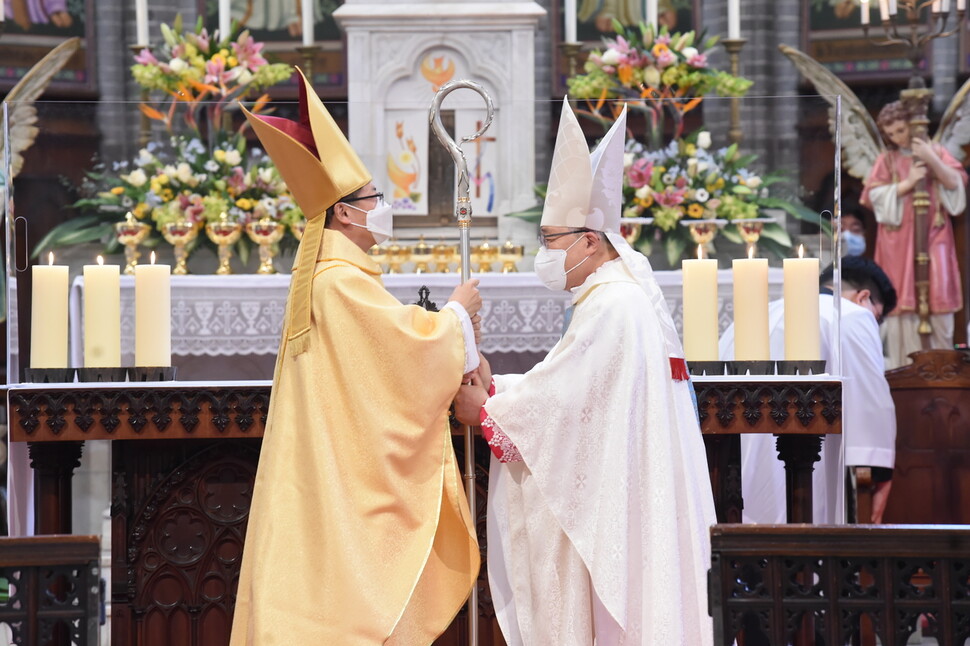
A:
[91,375]
[709,368]
[801,367]
[753,368]
[49,375]
[152,373]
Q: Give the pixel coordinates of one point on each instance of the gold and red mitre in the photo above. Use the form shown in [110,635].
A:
[319,167]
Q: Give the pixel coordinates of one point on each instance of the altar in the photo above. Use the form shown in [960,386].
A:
[228,327]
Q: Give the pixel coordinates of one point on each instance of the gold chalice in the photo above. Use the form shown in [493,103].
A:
[508,255]
[394,257]
[485,254]
[297,229]
[378,254]
[750,230]
[179,234]
[630,228]
[265,232]
[442,256]
[702,231]
[131,233]
[421,254]
[225,233]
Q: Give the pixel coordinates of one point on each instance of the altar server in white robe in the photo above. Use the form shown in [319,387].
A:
[868,412]
[600,503]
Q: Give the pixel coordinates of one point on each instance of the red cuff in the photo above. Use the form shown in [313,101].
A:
[491,391]
[498,441]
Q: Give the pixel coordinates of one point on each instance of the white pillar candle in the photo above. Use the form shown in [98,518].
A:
[893,8]
[883,10]
[153,315]
[961,5]
[946,6]
[700,309]
[48,315]
[225,19]
[306,7]
[3,11]
[650,15]
[750,276]
[569,21]
[864,12]
[102,315]
[141,23]
[734,18]
[801,308]
[937,6]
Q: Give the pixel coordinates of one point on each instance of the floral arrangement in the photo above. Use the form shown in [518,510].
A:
[205,167]
[671,176]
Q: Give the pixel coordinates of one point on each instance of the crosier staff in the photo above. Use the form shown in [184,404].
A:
[463,212]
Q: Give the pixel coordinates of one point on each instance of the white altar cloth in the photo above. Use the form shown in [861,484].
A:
[243,314]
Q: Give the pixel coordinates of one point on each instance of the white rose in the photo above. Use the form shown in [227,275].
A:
[610,57]
[702,166]
[233,158]
[628,159]
[692,167]
[265,175]
[137,177]
[704,139]
[689,52]
[643,192]
[177,65]
[753,182]
[183,172]
[245,77]
[169,170]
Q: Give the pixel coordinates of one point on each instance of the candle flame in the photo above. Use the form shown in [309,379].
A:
[153,257]
[801,251]
[50,258]
[750,252]
[700,252]
[100,260]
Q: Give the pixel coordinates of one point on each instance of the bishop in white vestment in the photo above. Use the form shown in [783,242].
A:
[600,499]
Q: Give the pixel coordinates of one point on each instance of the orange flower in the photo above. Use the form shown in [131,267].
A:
[625,74]
[399,129]
[695,210]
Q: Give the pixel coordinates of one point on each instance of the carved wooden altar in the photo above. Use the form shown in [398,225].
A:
[180,508]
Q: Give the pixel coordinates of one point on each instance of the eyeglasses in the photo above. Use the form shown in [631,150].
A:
[544,238]
[379,196]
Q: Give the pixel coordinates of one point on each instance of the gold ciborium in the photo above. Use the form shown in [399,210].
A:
[750,230]
[265,232]
[225,233]
[421,254]
[131,233]
[702,231]
[179,234]
[508,255]
[442,254]
[395,257]
[378,254]
[484,254]
[297,229]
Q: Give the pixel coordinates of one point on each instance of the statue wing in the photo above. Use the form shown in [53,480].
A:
[954,130]
[861,141]
[22,115]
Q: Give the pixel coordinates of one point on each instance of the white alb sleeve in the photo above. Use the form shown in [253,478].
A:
[468,332]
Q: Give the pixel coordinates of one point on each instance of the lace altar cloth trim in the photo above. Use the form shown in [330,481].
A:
[243,315]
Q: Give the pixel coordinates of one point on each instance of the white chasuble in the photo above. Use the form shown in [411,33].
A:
[600,535]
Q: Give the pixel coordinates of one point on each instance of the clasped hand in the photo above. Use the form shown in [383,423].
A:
[473,392]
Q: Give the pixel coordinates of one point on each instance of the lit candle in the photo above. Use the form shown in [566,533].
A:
[141,22]
[700,308]
[801,308]
[884,10]
[750,277]
[650,12]
[569,21]
[225,19]
[734,18]
[153,315]
[48,315]
[102,315]
[306,7]
[864,12]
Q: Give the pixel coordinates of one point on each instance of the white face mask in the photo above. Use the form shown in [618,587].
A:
[550,266]
[380,221]
[853,244]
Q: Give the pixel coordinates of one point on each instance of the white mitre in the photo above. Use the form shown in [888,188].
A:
[585,189]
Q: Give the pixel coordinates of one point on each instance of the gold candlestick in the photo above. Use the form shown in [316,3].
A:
[225,233]
[265,232]
[131,233]
[571,50]
[309,54]
[179,234]
[733,47]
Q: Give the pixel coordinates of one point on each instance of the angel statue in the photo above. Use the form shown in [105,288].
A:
[906,175]
[22,116]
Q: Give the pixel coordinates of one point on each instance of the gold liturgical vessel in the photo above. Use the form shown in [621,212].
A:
[131,233]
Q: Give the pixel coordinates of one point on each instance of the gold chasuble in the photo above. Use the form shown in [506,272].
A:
[359,532]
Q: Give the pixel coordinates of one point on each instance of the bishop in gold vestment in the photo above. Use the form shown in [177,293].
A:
[359,532]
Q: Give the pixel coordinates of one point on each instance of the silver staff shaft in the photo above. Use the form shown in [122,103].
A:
[463,212]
